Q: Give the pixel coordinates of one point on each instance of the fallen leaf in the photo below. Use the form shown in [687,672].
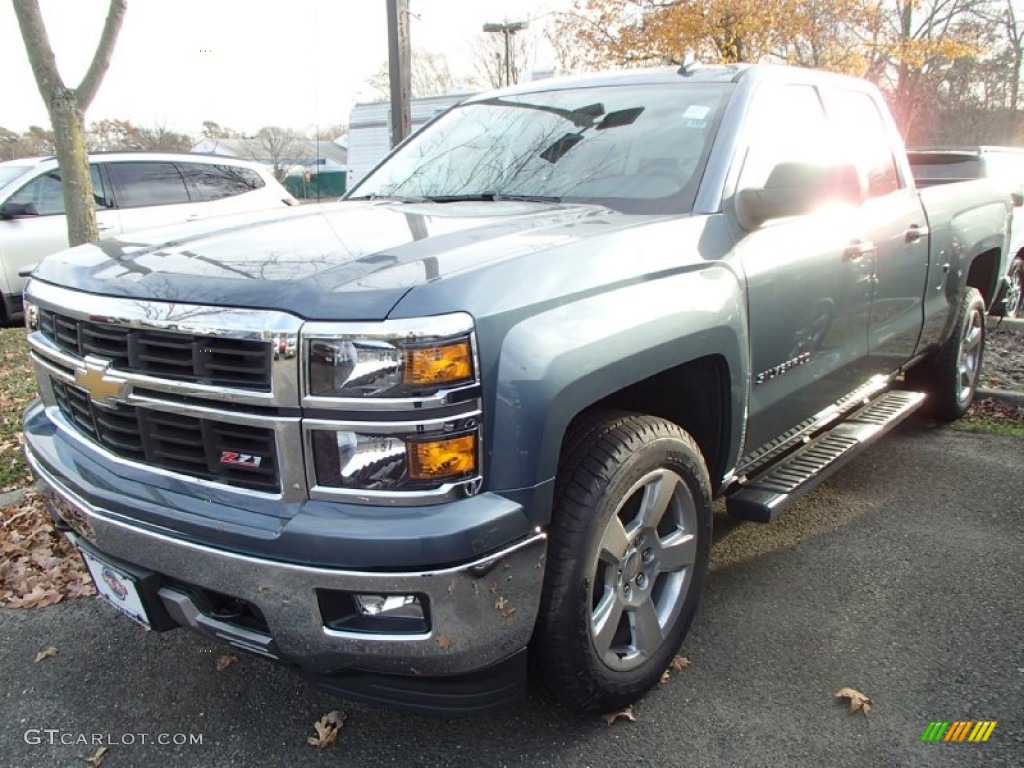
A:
[38,565]
[46,654]
[97,759]
[859,702]
[665,677]
[224,661]
[326,728]
[500,603]
[444,642]
[626,713]
[679,663]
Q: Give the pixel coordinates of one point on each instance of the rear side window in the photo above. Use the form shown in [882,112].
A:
[941,166]
[141,184]
[862,136]
[44,195]
[213,182]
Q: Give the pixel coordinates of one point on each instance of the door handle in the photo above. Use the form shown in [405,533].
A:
[914,233]
[193,217]
[103,227]
[859,249]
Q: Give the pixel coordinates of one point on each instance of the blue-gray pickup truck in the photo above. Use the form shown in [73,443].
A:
[478,411]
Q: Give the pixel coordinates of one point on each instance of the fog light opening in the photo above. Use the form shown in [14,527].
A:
[384,606]
[380,614]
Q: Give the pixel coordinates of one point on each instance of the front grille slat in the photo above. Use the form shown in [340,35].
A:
[186,444]
[211,360]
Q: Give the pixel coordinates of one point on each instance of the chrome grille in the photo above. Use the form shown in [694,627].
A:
[211,360]
[186,444]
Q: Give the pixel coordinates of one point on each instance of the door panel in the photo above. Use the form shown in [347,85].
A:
[900,272]
[896,225]
[808,303]
[808,278]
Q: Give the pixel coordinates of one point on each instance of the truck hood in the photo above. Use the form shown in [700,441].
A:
[340,261]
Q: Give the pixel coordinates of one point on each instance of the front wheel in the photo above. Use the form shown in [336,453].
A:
[950,376]
[629,544]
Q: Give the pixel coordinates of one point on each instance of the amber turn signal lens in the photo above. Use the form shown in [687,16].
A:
[454,457]
[438,365]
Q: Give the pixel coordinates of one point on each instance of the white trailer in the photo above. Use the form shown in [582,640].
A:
[369,130]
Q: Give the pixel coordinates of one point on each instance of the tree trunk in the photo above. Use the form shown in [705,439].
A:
[66,107]
[69,138]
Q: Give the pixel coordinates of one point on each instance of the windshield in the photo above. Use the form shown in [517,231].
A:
[638,149]
[11,172]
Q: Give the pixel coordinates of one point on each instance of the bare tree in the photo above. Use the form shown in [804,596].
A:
[431,76]
[281,147]
[160,137]
[330,132]
[66,107]
[570,56]
[489,57]
[214,130]
[34,142]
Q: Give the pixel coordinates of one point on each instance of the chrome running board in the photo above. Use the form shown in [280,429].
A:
[763,496]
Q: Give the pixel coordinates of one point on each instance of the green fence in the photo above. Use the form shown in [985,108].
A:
[327,184]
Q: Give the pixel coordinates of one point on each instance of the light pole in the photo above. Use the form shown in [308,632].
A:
[507,29]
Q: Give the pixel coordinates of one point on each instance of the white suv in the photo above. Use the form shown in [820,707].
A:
[133,191]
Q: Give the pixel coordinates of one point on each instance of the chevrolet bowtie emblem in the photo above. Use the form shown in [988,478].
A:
[103,388]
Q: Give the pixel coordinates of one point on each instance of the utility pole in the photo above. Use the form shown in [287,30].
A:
[507,29]
[399,69]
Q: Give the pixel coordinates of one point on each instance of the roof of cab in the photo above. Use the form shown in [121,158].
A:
[692,73]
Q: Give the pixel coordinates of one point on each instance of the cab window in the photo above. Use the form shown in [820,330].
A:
[210,181]
[143,184]
[791,128]
[44,195]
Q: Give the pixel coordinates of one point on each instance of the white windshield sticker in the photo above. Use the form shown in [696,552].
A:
[696,112]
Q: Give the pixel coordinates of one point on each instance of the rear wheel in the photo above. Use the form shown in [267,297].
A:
[628,553]
[950,376]
[1014,299]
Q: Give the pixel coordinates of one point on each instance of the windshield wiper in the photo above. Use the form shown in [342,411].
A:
[488,197]
[392,198]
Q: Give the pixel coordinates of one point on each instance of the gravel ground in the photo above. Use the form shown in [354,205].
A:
[1003,367]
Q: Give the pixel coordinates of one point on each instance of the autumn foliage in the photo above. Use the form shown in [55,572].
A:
[917,50]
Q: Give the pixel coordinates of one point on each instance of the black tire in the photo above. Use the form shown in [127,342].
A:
[950,376]
[610,463]
[1013,301]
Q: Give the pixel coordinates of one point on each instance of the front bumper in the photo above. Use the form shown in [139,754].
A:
[481,612]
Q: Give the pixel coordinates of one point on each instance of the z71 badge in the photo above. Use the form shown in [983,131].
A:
[243,459]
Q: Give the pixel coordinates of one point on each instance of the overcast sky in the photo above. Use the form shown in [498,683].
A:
[241,63]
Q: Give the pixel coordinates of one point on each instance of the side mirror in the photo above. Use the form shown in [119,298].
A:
[797,188]
[11,210]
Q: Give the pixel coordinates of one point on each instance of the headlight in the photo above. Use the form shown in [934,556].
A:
[393,462]
[392,410]
[395,359]
[31,315]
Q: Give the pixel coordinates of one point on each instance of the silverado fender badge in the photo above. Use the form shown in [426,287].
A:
[782,368]
[244,459]
[94,377]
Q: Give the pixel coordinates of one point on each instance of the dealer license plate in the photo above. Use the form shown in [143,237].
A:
[117,588]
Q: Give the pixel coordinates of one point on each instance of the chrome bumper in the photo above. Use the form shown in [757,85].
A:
[480,612]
